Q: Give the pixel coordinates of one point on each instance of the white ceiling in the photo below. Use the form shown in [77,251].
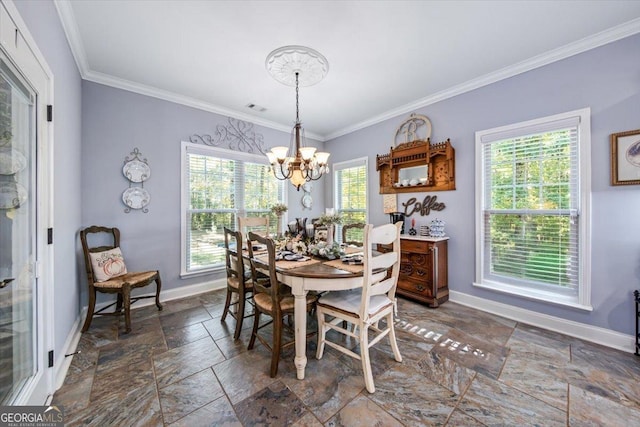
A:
[385,57]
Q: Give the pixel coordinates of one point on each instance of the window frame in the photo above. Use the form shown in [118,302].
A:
[205,150]
[581,298]
[340,166]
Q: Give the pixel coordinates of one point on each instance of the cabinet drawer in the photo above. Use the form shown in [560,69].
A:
[421,272]
[415,286]
[414,246]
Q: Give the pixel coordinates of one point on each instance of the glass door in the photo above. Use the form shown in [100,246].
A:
[18,202]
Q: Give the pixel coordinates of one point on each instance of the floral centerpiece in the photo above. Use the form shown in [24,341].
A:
[293,243]
[329,219]
[279,209]
[326,250]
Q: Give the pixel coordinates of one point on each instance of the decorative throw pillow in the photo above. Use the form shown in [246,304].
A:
[108,264]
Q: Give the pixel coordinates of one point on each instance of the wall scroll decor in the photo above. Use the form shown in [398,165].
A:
[625,158]
[238,136]
[136,169]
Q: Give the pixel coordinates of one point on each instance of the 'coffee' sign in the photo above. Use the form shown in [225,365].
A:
[428,204]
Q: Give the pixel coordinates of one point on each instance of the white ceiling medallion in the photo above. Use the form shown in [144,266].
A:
[284,62]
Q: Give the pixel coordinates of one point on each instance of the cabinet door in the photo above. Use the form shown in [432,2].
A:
[416,269]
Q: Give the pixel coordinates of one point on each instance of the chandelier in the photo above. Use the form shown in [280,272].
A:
[299,66]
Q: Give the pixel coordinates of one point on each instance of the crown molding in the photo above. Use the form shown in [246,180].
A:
[70,27]
[600,39]
[154,92]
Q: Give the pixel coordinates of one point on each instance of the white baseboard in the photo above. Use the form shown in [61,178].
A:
[62,364]
[583,331]
[71,343]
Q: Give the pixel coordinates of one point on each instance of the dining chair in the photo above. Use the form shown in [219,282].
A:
[256,224]
[107,273]
[365,307]
[273,299]
[352,234]
[239,282]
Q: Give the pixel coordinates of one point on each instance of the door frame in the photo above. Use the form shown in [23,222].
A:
[19,46]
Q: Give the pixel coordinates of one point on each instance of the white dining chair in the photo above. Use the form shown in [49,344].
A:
[363,308]
[256,224]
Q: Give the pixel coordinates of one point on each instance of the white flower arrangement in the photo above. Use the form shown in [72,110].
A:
[279,209]
[299,247]
[280,244]
[326,250]
[328,219]
[294,244]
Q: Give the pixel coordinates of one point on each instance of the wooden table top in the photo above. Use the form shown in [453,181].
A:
[318,270]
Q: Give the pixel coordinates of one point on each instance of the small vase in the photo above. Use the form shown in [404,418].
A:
[330,234]
[279,226]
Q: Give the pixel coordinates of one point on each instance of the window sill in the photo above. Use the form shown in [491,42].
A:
[535,294]
[209,271]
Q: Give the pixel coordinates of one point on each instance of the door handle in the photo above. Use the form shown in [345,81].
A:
[5,282]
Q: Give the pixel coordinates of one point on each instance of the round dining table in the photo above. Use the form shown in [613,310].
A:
[323,275]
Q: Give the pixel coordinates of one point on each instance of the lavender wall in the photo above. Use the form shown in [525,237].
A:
[89,183]
[44,25]
[114,123]
[605,79]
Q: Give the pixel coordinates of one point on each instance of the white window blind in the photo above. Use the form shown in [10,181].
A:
[219,185]
[531,207]
[350,194]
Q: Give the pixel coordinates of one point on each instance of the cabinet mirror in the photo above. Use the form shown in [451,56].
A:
[415,175]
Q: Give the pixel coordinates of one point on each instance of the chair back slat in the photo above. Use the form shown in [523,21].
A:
[256,224]
[268,267]
[234,259]
[373,282]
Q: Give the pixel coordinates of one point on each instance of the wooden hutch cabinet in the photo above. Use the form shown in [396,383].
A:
[423,269]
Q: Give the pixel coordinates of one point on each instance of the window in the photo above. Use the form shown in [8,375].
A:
[532,200]
[218,185]
[350,193]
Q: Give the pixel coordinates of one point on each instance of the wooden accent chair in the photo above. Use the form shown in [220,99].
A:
[353,234]
[238,280]
[107,273]
[273,299]
[364,308]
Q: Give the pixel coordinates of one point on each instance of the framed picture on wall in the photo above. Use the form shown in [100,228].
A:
[625,158]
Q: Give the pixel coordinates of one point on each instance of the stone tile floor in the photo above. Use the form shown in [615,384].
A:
[461,367]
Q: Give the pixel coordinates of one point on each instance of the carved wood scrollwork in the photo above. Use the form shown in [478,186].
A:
[414,152]
[406,268]
[417,259]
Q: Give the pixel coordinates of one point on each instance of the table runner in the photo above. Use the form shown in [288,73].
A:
[288,265]
[352,268]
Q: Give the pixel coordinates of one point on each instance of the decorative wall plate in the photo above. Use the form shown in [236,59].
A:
[307,201]
[136,171]
[11,161]
[136,197]
[12,195]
